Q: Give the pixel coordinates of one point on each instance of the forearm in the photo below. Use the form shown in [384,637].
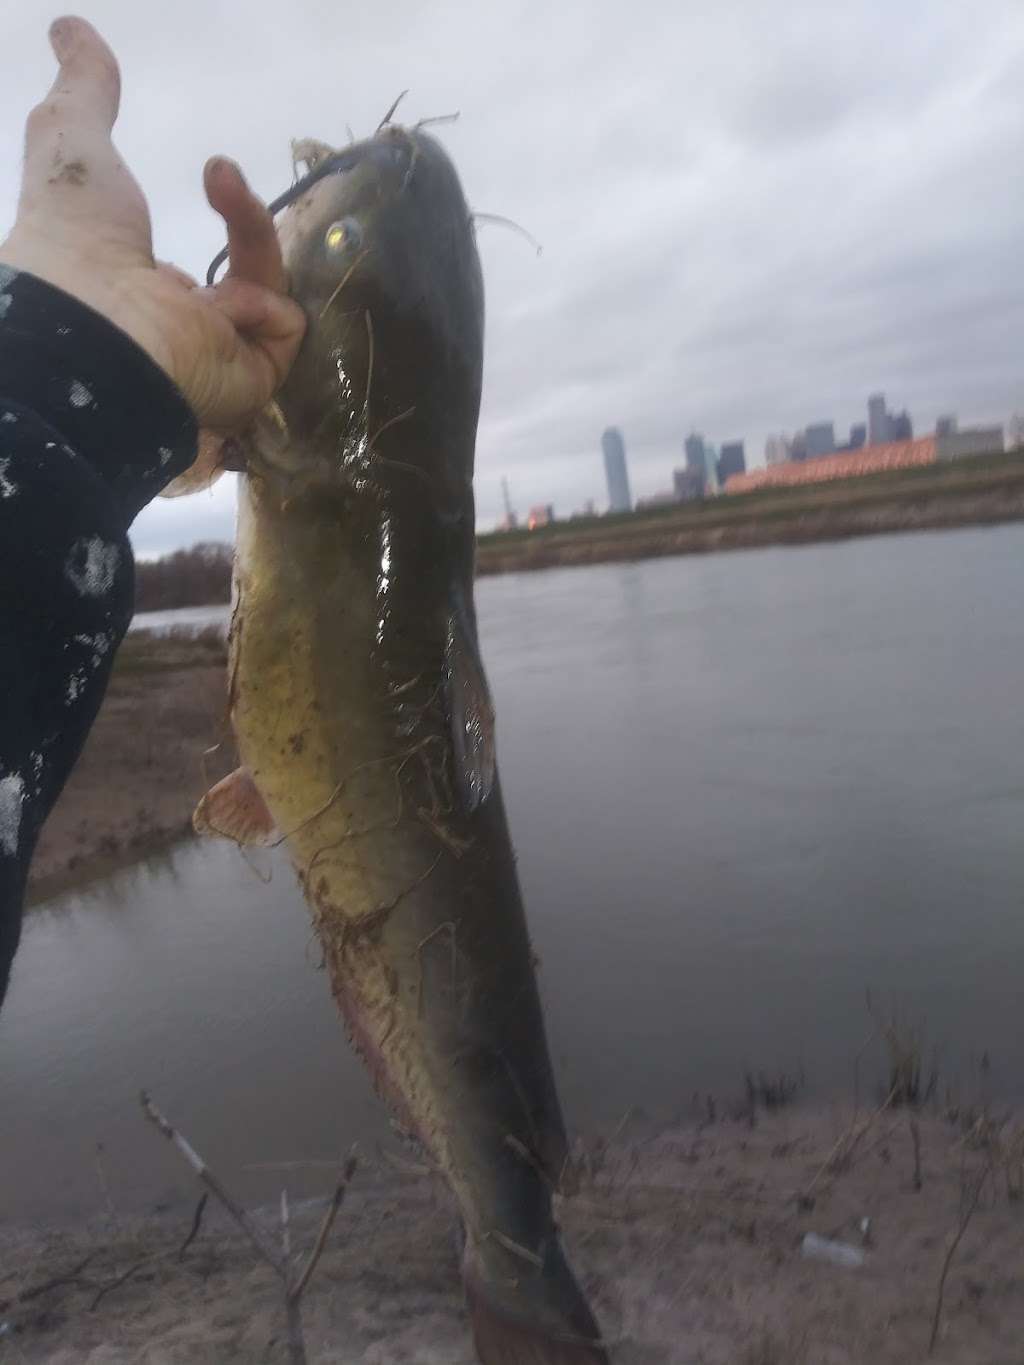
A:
[90,430]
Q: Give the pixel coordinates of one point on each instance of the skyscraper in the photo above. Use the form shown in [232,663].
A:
[901,428]
[614,449]
[821,439]
[777,450]
[731,461]
[878,420]
[711,484]
[696,459]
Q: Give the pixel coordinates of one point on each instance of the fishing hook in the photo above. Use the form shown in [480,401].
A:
[343,161]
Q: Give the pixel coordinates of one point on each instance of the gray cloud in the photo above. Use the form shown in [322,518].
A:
[752,215]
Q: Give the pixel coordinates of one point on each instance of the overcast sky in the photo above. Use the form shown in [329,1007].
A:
[753,212]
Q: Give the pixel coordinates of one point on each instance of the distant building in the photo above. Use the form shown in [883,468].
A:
[696,457]
[954,445]
[614,449]
[777,450]
[541,515]
[858,436]
[821,439]
[688,484]
[711,484]
[798,446]
[884,426]
[511,520]
[901,428]
[878,420]
[731,461]
[945,425]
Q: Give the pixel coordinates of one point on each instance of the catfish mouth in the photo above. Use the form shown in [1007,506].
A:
[391,148]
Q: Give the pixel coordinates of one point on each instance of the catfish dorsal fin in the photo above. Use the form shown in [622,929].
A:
[235,809]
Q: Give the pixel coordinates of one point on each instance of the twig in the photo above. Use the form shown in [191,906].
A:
[844,1148]
[101,1175]
[856,1069]
[286,1234]
[34,1290]
[296,1343]
[197,1219]
[280,1261]
[105,1289]
[966,1214]
[325,1227]
[915,1137]
[262,1244]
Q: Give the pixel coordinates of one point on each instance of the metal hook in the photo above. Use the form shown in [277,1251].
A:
[344,161]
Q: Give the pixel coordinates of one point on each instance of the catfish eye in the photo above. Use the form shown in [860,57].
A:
[343,234]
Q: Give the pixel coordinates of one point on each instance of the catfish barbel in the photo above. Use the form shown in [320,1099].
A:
[364,724]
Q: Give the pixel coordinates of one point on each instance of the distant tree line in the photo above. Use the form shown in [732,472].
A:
[187,578]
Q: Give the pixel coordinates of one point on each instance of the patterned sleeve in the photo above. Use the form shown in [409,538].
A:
[90,430]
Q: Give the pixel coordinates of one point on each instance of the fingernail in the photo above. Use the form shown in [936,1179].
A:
[223,165]
[63,38]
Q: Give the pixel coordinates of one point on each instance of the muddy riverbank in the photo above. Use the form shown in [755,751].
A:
[689,1244]
[149,758]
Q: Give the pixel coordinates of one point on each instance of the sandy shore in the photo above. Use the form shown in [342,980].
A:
[142,770]
[688,1242]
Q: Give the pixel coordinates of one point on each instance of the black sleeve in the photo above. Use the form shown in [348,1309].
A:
[90,430]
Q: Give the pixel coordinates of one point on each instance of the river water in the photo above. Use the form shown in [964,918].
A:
[743,788]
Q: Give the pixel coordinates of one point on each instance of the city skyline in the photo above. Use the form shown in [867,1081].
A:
[684,281]
[706,471]
[663,480]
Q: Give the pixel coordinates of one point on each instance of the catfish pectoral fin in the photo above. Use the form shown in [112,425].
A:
[235,809]
[204,471]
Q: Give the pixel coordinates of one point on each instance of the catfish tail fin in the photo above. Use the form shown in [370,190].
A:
[552,1326]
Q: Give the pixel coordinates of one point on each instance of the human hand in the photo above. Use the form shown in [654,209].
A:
[83,225]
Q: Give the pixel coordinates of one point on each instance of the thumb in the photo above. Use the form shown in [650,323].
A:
[88,79]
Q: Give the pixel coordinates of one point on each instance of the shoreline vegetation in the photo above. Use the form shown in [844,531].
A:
[980,491]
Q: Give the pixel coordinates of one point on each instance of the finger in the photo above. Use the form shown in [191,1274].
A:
[253,248]
[268,323]
[67,135]
[88,78]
